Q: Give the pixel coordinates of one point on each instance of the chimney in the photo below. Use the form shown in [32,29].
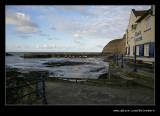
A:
[133,10]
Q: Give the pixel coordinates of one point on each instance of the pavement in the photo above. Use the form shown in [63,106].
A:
[67,93]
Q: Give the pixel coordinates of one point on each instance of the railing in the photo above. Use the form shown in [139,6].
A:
[37,88]
[132,64]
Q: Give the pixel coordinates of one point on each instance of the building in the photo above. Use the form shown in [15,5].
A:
[141,34]
[116,46]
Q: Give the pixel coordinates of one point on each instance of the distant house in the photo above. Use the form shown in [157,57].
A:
[141,34]
[116,46]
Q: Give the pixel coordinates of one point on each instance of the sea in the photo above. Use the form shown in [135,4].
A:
[94,67]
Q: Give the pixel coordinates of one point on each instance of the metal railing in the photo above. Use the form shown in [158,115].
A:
[37,86]
[133,64]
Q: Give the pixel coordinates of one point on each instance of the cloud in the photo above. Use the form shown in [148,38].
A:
[45,46]
[22,22]
[80,9]
[78,42]
[88,26]
[24,36]
[107,22]
[99,46]
[53,28]
[76,35]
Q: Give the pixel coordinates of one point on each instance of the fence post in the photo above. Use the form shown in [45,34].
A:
[43,88]
[135,67]
[113,58]
[37,89]
[122,62]
[109,71]
[117,60]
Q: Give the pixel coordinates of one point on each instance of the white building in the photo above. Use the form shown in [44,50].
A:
[141,34]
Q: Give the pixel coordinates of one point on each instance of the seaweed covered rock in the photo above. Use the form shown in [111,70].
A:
[67,63]
[103,76]
[7,54]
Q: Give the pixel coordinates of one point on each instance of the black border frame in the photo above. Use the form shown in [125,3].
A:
[93,108]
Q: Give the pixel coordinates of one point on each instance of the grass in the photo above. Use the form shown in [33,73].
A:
[138,78]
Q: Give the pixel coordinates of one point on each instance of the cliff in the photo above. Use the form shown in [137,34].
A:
[115,46]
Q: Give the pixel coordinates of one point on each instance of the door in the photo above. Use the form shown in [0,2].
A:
[151,49]
[141,50]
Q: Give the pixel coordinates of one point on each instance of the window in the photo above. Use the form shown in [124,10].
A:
[146,50]
[148,25]
[133,26]
[137,50]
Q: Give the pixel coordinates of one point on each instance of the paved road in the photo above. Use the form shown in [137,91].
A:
[72,93]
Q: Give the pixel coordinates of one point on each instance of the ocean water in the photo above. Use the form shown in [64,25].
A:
[76,71]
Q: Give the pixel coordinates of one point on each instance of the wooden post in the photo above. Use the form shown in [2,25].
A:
[37,89]
[113,58]
[38,92]
[117,59]
[122,62]
[44,92]
[135,67]
[109,72]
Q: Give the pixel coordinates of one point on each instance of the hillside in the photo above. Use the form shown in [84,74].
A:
[115,46]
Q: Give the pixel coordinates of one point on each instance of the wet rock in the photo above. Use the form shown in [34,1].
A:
[97,70]
[67,63]
[37,56]
[103,76]
[7,54]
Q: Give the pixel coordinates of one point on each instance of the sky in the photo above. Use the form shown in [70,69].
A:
[65,28]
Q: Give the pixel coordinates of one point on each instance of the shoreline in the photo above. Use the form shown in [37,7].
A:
[59,91]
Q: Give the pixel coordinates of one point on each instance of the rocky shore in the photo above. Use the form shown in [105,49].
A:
[66,63]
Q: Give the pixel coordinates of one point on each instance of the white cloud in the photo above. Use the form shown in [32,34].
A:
[76,35]
[26,29]
[45,46]
[92,26]
[22,22]
[107,22]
